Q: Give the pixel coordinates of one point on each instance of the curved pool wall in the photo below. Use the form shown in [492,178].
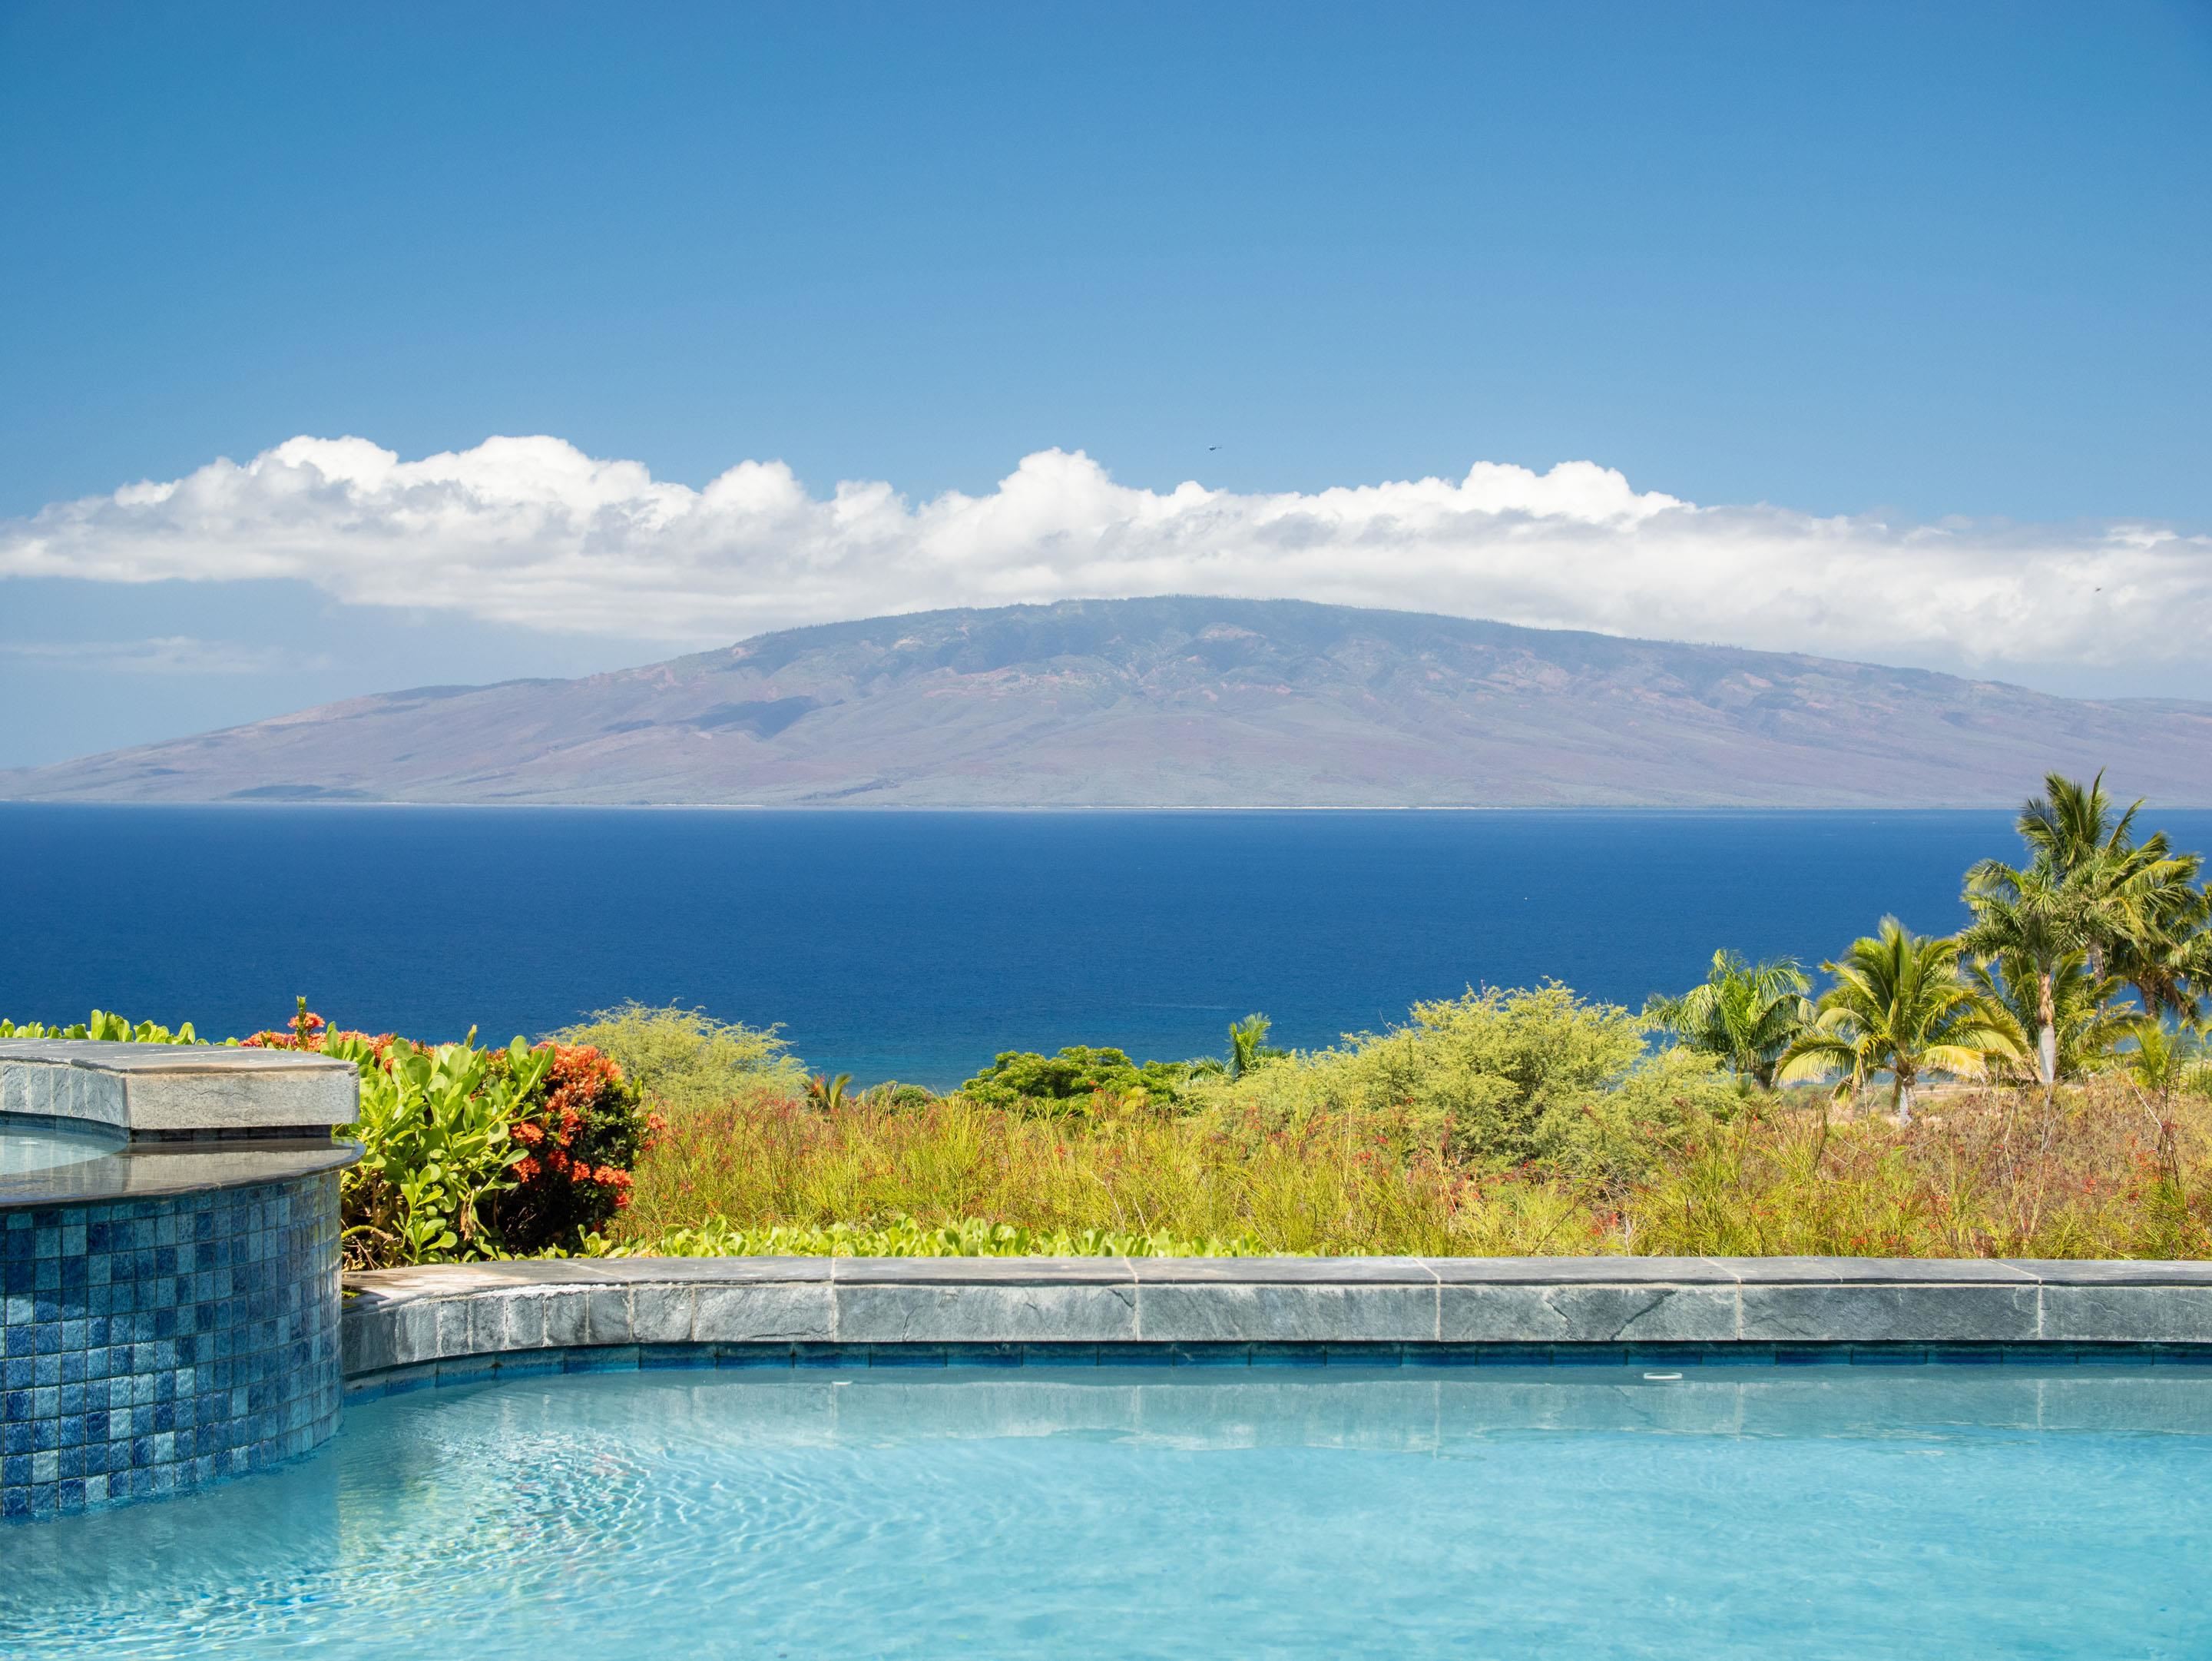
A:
[405,1328]
[169,1298]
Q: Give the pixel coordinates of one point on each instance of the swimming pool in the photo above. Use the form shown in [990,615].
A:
[30,1145]
[1595,1511]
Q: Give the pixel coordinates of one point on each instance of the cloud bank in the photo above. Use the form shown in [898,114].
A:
[532,531]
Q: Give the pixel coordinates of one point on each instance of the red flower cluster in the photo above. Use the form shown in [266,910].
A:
[309,1030]
[583,1132]
[583,1128]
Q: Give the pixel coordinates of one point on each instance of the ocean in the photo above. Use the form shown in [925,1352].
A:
[916,945]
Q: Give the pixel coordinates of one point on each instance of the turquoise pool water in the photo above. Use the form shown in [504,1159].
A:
[1586,1511]
[30,1145]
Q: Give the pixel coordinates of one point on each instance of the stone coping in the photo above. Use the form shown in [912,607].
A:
[152,1088]
[399,1318]
[145,1170]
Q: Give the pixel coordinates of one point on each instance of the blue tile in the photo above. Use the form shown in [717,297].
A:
[1060,1355]
[1366,1355]
[607,1358]
[906,1355]
[983,1355]
[675,1356]
[1800,1355]
[1136,1355]
[753,1355]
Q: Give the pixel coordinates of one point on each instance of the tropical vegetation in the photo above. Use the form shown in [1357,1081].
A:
[2045,1076]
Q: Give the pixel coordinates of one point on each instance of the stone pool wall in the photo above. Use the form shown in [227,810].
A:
[408,1326]
[154,1345]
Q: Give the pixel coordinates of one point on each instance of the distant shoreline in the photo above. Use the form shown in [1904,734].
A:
[1578,810]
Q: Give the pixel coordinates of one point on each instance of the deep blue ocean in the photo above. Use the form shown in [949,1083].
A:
[915,945]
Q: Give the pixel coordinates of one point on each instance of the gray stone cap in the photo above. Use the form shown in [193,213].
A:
[404,1317]
[146,1171]
[142,1087]
[448,1280]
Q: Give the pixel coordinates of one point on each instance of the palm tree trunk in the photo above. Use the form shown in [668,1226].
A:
[1903,1099]
[2046,1032]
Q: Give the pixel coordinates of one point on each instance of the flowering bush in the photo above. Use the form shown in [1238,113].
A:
[582,1126]
[478,1153]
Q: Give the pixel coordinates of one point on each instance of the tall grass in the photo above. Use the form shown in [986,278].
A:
[2103,1172]
[762,1160]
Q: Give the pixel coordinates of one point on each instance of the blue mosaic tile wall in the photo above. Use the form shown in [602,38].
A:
[149,1346]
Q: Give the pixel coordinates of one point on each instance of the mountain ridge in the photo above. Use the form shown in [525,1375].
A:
[1182,701]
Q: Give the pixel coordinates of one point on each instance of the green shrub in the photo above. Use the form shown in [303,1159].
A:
[684,1058]
[892,1094]
[1494,1077]
[1070,1082]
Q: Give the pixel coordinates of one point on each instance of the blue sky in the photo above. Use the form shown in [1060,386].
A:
[1897,266]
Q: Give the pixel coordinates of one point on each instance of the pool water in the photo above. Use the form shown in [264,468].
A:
[1578,1511]
[31,1144]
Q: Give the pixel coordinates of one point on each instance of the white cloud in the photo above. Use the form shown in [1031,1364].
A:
[531,531]
[164,654]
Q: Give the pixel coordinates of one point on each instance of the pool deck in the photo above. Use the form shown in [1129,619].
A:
[1008,1311]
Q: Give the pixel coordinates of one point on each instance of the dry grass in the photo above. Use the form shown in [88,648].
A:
[2102,1173]
[762,1160]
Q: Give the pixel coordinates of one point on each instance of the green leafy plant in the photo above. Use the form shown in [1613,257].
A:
[103,1027]
[435,1127]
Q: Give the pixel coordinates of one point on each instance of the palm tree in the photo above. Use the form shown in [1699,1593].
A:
[1248,1048]
[2147,916]
[2073,824]
[2031,919]
[1900,1005]
[2166,1058]
[2169,962]
[827,1093]
[1745,1014]
[2088,1023]
[1247,1044]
